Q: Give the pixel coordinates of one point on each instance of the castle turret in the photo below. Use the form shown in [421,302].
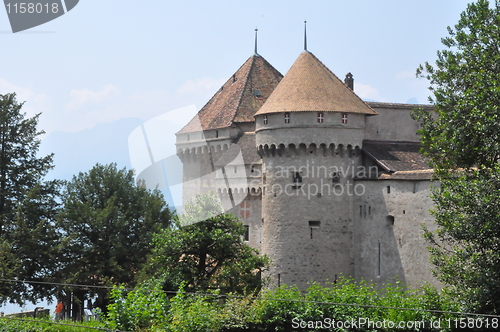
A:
[217,147]
[309,134]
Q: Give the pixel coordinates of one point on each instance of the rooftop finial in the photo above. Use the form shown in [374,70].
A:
[305,35]
[255,51]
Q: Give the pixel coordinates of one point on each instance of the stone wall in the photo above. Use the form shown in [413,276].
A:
[307,227]
[388,236]
[393,122]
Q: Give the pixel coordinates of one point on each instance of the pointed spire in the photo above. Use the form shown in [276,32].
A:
[305,35]
[255,51]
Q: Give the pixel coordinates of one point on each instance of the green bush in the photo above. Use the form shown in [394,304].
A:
[283,309]
[144,308]
[195,312]
[317,309]
[46,325]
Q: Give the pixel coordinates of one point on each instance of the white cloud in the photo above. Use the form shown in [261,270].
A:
[76,110]
[88,108]
[22,93]
[200,84]
[82,97]
[416,87]
[34,102]
[405,75]
[367,92]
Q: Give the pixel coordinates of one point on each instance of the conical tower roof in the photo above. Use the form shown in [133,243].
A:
[239,98]
[310,86]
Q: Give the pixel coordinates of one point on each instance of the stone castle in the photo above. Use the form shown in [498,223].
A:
[327,185]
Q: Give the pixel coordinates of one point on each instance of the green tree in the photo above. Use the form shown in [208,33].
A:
[27,205]
[465,83]
[462,138]
[206,255]
[107,222]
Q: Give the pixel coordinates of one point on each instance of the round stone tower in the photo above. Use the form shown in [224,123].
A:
[309,134]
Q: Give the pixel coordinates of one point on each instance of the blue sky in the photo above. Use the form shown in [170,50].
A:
[106,61]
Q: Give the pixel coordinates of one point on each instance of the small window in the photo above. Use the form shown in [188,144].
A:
[287,117]
[390,220]
[257,93]
[246,235]
[314,224]
[265,119]
[253,169]
[379,263]
[245,208]
[388,189]
[297,179]
[344,117]
[320,117]
[335,178]
[216,134]
[235,169]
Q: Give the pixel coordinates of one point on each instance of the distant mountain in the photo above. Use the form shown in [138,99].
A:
[412,101]
[79,152]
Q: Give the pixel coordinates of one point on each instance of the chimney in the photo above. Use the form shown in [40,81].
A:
[349,81]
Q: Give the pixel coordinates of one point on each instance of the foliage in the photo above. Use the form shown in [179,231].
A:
[465,83]
[194,312]
[145,307]
[463,140]
[47,325]
[9,266]
[107,224]
[287,309]
[27,204]
[465,247]
[209,254]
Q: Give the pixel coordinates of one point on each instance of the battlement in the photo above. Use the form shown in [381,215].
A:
[251,192]
[193,153]
[323,149]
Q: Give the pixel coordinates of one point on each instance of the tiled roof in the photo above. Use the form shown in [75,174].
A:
[239,98]
[246,144]
[310,86]
[396,156]
[376,104]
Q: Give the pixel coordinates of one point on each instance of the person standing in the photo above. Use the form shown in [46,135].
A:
[59,310]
